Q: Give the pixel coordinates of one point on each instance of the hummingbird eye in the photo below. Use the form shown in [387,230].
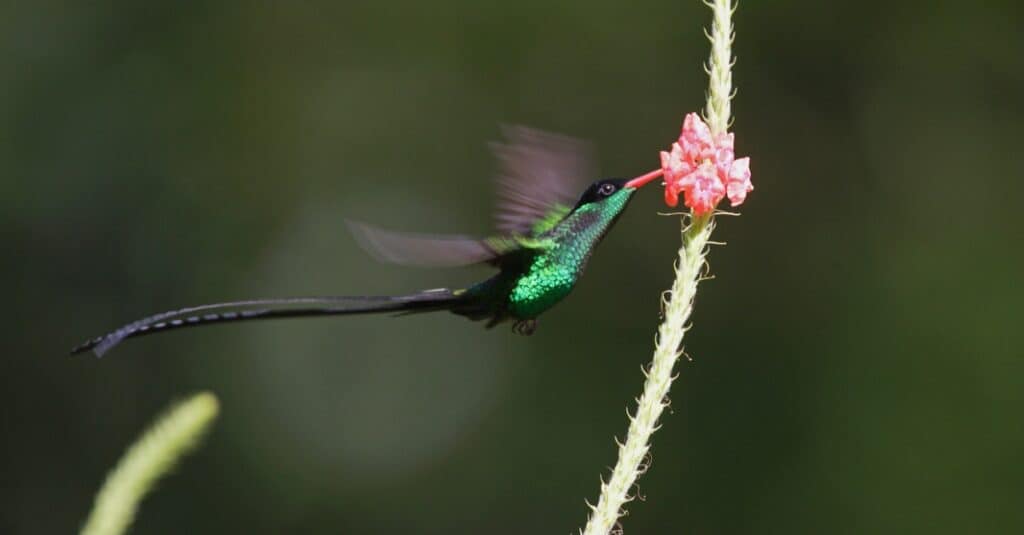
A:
[606,189]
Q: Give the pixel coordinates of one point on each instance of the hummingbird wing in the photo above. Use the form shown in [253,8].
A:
[540,175]
[427,250]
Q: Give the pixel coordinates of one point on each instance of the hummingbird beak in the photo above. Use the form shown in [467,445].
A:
[643,179]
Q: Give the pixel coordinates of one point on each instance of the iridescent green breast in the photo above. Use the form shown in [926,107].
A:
[555,269]
[547,283]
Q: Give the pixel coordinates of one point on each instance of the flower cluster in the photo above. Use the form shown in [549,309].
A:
[704,168]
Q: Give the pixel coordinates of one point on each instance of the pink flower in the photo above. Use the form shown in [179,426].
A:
[703,168]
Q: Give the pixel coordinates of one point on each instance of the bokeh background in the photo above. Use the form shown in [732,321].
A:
[857,362]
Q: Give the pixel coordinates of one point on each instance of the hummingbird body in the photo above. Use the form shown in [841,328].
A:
[540,251]
[552,274]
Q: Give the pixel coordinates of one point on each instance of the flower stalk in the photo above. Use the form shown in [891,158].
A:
[146,461]
[678,303]
[718,110]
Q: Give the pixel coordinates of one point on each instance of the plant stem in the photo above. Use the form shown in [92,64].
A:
[718,109]
[146,461]
[678,306]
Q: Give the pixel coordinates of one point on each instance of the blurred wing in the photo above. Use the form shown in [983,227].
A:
[423,249]
[540,175]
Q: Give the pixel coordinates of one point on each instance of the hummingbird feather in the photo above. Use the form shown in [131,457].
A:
[426,250]
[540,175]
[291,307]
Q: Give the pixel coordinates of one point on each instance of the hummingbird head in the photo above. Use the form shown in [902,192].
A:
[602,190]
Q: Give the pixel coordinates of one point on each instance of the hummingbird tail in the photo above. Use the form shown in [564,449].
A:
[265,309]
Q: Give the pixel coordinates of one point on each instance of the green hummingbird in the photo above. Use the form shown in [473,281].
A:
[542,243]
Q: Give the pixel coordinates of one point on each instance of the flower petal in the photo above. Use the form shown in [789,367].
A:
[725,140]
[696,130]
[695,139]
[671,195]
[724,154]
[674,164]
[738,183]
[703,189]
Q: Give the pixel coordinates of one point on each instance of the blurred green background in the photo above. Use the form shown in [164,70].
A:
[857,363]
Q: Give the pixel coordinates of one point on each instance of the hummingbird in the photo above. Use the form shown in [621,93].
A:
[546,231]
